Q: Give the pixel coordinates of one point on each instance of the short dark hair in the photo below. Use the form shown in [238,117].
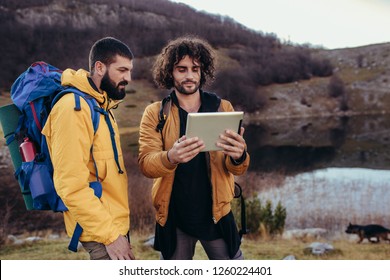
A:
[174,52]
[106,49]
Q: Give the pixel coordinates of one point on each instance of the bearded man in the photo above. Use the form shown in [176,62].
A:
[81,155]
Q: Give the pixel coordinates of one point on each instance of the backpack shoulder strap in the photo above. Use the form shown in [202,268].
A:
[96,111]
[213,103]
[92,103]
[165,108]
[238,194]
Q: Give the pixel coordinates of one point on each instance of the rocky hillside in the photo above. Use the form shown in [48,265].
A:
[61,33]
[257,72]
[360,84]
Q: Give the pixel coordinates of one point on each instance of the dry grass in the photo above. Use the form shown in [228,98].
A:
[343,250]
[253,249]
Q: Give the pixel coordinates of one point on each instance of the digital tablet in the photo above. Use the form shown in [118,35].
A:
[208,126]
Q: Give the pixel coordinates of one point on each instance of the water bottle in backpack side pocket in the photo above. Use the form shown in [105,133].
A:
[27,150]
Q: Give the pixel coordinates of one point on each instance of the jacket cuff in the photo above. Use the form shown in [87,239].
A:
[167,164]
[114,236]
[240,160]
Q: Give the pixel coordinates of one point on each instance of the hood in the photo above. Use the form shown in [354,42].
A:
[79,80]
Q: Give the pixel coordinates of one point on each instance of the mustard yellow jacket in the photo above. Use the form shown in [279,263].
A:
[69,136]
[154,163]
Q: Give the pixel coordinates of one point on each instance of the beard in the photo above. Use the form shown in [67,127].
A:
[113,90]
[181,88]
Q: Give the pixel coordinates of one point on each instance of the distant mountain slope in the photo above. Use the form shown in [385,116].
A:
[257,72]
[360,84]
[61,32]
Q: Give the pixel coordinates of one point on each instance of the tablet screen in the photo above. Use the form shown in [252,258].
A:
[208,126]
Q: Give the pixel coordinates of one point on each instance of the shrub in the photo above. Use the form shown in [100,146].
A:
[237,87]
[262,220]
[279,221]
[336,87]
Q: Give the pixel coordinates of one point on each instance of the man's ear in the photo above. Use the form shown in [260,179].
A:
[100,68]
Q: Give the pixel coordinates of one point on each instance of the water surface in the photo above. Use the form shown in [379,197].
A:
[337,169]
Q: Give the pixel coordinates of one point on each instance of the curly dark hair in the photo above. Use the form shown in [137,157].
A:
[174,52]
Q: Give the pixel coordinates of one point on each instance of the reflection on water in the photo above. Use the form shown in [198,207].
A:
[338,168]
[295,145]
[298,145]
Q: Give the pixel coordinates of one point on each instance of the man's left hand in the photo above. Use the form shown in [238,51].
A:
[120,249]
[232,143]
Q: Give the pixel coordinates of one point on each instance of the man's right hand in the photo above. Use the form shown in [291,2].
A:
[120,249]
[184,149]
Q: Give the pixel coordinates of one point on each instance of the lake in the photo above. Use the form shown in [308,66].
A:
[337,170]
[327,171]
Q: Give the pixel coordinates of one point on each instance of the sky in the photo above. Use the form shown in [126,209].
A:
[327,23]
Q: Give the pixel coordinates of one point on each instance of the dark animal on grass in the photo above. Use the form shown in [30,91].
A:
[370,232]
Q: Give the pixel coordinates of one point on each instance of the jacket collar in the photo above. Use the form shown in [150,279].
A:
[210,102]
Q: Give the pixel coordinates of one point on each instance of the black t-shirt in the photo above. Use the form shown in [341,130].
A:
[192,194]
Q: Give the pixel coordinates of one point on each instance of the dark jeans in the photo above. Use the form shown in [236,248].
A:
[215,249]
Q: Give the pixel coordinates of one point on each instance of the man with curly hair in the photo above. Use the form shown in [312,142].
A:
[192,190]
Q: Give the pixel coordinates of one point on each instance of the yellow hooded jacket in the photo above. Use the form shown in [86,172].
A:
[154,163]
[69,136]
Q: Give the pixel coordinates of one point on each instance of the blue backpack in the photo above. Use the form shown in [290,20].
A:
[34,93]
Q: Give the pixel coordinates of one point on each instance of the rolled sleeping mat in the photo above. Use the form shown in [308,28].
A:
[9,117]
